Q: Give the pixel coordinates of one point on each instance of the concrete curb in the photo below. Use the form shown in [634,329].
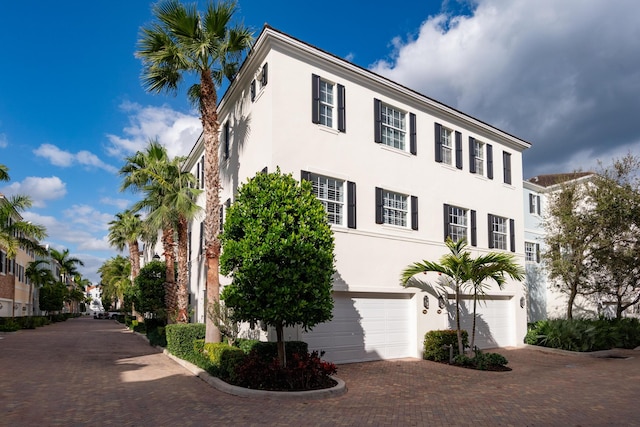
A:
[224,387]
[601,353]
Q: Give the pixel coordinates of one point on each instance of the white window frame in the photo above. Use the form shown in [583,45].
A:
[395,210]
[500,232]
[458,223]
[446,150]
[530,252]
[331,192]
[478,156]
[394,127]
[327,103]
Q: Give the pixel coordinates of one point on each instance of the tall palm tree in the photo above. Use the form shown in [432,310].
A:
[173,200]
[115,275]
[140,172]
[39,275]
[68,264]
[4,173]
[124,231]
[185,41]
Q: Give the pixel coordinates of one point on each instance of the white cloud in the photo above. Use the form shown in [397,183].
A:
[121,204]
[40,190]
[560,74]
[177,131]
[65,159]
[88,218]
[4,142]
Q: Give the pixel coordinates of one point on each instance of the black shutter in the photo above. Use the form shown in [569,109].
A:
[226,140]
[265,74]
[506,166]
[189,245]
[446,221]
[531,207]
[201,239]
[537,252]
[315,94]
[512,234]
[414,213]
[306,176]
[198,183]
[351,204]
[202,172]
[489,161]
[458,150]
[377,120]
[438,142]
[253,90]
[474,229]
[379,206]
[221,212]
[490,231]
[538,205]
[342,123]
[472,157]
[413,140]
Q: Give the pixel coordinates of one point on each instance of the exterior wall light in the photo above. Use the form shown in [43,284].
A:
[441,302]
[425,302]
[522,302]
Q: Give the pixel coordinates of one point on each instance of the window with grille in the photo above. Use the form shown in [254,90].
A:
[458,224]
[330,192]
[478,157]
[326,103]
[394,127]
[446,149]
[499,235]
[395,208]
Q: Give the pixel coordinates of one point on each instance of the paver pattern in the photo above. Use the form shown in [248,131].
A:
[95,372]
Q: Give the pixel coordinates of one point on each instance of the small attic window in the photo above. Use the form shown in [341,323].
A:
[260,80]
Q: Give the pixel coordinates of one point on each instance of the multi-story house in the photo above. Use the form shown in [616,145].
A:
[398,173]
[16,293]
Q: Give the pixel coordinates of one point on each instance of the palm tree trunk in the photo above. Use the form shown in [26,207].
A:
[210,126]
[183,274]
[458,330]
[170,280]
[473,327]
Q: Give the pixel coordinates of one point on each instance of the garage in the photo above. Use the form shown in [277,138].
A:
[365,327]
[494,321]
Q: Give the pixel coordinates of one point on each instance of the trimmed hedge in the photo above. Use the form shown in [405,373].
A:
[436,344]
[224,359]
[181,337]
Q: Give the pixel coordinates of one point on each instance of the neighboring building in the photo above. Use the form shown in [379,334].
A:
[397,171]
[15,289]
[94,293]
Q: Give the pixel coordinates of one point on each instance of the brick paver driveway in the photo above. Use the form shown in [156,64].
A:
[94,372]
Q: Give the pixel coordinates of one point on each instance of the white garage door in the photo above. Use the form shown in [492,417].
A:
[364,328]
[495,322]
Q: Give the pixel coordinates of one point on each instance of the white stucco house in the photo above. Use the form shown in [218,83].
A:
[397,171]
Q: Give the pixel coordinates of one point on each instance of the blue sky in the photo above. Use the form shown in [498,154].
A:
[563,75]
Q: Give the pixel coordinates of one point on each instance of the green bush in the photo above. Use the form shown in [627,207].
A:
[269,350]
[180,340]
[8,324]
[585,334]
[157,336]
[436,344]
[246,345]
[224,359]
[485,361]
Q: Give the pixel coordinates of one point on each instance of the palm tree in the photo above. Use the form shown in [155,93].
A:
[14,231]
[455,266]
[172,200]
[68,264]
[184,41]
[115,275]
[125,230]
[38,276]
[4,173]
[140,172]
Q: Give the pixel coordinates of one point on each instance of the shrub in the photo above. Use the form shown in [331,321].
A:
[268,350]
[246,344]
[8,324]
[157,336]
[462,360]
[436,344]
[180,340]
[304,371]
[223,358]
[488,361]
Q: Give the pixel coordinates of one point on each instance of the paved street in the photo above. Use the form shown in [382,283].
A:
[95,372]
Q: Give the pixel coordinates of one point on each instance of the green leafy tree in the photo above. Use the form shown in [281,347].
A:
[39,275]
[150,289]
[115,274]
[462,272]
[52,297]
[125,231]
[68,264]
[16,232]
[278,249]
[183,42]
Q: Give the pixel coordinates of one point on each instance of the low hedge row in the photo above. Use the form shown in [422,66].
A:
[10,324]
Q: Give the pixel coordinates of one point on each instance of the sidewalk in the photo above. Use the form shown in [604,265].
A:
[95,372]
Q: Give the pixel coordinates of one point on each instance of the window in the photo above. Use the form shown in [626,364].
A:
[476,156]
[534,204]
[226,143]
[532,252]
[396,209]
[328,108]
[262,77]
[460,223]
[337,196]
[444,144]
[3,260]
[391,127]
[501,233]
[506,165]
[445,140]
